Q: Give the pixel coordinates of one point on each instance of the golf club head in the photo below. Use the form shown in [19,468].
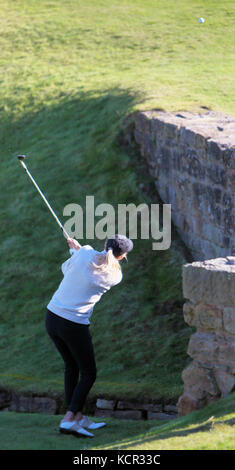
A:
[21,157]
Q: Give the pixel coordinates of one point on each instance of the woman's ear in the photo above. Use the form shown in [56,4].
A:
[122,256]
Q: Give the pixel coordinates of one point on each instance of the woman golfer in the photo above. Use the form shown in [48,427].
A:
[88,274]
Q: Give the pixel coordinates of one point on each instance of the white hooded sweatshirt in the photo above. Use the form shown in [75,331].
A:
[82,287]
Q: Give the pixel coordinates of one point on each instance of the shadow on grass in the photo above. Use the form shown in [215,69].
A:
[87,118]
[167,434]
[41,431]
[72,150]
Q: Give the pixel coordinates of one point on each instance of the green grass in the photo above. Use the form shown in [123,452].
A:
[209,429]
[52,49]
[70,72]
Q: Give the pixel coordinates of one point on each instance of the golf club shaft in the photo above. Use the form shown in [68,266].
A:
[44,199]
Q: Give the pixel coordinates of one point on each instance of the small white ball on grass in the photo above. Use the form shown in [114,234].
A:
[201,20]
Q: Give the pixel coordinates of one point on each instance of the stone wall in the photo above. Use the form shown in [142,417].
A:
[209,287]
[122,409]
[99,407]
[192,160]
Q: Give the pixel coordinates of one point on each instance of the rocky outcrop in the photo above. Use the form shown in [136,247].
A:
[209,287]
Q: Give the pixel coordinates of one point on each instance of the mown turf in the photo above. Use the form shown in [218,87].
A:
[209,429]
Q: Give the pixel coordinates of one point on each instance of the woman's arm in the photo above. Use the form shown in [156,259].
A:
[73,245]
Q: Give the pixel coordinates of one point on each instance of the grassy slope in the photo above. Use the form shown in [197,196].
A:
[209,429]
[70,72]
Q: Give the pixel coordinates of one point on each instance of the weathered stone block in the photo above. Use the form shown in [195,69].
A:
[165,155]
[105,404]
[197,224]
[227,201]
[226,242]
[213,150]
[5,398]
[200,276]
[200,143]
[217,175]
[224,379]
[231,179]
[199,382]
[33,404]
[212,233]
[211,348]
[187,404]
[228,221]
[143,122]
[151,152]
[187,136]
[195,167]
[210,248]
[226,352]
[221,251]
[229,320]
[203,316]
[232,157]
[126,405]
[171,131]
[139,137]
[213,194]
[215,212]
[158,128]
[232,245]
[203,347]
[170,409]
[176,160]
[227,158]
[199,192]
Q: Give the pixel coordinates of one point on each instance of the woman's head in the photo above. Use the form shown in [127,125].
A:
[116,248]
[120,245]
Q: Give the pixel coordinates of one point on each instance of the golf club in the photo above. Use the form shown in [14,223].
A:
[21,159]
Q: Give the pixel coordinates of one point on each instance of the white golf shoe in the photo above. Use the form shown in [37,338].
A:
[68,427]
[85,422]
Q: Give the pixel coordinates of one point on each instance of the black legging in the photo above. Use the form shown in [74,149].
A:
[74,343]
